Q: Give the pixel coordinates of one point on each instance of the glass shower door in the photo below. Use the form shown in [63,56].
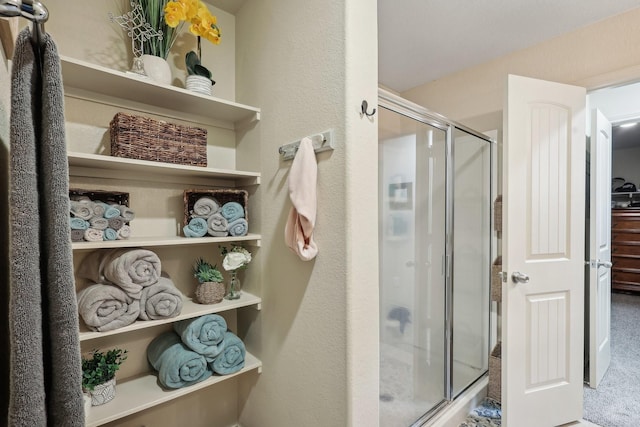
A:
[412,210]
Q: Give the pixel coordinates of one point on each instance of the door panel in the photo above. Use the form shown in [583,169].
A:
[543,238]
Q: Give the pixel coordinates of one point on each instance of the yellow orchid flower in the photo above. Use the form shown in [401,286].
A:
[174,12]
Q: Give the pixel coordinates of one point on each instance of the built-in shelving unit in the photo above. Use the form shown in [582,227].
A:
[190,309]
[144,392]
[101,85]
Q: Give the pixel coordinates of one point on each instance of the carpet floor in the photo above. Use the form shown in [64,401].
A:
[488,414]
[615,402]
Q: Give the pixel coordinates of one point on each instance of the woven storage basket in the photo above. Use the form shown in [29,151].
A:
[210,292]
[496,280]
[495,373]
[221,195]
[497,214]
[142,138]
[103,196]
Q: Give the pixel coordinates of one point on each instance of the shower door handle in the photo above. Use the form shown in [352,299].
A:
[518,277]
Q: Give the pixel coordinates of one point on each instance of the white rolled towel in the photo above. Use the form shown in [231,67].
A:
[204,207]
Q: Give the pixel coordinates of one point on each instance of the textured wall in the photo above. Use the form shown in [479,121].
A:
[597,55]
[308,65]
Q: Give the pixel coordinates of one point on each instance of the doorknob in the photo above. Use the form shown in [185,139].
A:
[605,264]
[518,277]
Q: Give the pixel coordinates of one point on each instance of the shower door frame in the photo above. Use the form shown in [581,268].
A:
[416,112]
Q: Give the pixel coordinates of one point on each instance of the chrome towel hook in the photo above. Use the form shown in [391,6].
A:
[365,107]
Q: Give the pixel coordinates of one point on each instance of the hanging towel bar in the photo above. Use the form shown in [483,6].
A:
[32,10]
[321,142]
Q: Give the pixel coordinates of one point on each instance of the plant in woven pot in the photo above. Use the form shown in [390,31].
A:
[210,289]
[99,374]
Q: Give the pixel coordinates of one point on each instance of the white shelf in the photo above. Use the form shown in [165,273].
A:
[190,309]
[144,392]
[97,165]
[136,242]
[100,84]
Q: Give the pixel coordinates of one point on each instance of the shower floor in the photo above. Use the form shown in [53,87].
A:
[399,407]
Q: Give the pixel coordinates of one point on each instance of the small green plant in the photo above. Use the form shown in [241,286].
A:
[195,68]
[205,272]
[101,367]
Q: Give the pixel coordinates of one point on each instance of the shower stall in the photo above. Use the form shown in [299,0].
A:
[435,260]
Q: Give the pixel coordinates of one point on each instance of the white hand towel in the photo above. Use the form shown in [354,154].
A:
[303,176]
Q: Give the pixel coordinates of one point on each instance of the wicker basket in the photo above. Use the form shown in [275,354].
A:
[495,374]
[142,138]
[496,280]
[108,197]
[210,292]
[497,214]
[222,196]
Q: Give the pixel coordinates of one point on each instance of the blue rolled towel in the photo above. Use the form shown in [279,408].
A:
[110,211]
[231,359]
[232,211]
[239,227]
[177,366]
[78,224]
[204,334]
[110,234]
[197,227]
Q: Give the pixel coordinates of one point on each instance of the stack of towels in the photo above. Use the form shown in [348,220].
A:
[195,350]
[210,217]
[126,284]
[95,221]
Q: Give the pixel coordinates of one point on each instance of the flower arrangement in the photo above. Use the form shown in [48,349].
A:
[205,272]
[168,17]
[236,258]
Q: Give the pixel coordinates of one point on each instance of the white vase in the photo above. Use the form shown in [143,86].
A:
[103,393]
[87,403]
[157,69]
[199,84]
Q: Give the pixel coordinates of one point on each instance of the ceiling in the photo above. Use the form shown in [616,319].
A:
[422,40]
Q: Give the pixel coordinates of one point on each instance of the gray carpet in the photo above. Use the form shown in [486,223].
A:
[615,402]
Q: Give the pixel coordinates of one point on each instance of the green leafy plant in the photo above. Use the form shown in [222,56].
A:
[205,272]
[101,367]
[195,68]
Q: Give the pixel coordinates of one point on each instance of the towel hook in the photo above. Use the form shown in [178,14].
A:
[364,107]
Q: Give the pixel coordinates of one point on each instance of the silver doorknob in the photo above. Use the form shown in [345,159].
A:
[605,264]
[518,277]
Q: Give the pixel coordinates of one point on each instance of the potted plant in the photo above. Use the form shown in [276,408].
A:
[210,289]
[99,374]
[199,77]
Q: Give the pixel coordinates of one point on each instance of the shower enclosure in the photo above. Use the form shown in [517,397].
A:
[435,256]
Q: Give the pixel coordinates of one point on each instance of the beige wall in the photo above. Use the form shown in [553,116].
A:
[308,67]
[601,54]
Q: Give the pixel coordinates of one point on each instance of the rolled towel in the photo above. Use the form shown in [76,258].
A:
[99,223]
[232,357]
[93,235]
[77,235]
[98,209]
[110,211]
[107,307]
[197,227]
[124,232]
[161,300]
[131,269]
[217,225]
[204,334]
[116,223]
[204,207]
[110,234]
[177,366]
[239,227]
[232,211]
[81,210]
[78,224]
[126,213]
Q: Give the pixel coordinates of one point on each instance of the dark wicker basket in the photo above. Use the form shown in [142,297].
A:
[221,195]
[142,138]
[104,196]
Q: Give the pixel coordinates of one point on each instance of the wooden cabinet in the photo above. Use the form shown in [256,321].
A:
[625,249]
[94,94]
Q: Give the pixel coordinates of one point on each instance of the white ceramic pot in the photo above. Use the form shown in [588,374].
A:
[87,403]
[103,393]
[199,84]
[157,69]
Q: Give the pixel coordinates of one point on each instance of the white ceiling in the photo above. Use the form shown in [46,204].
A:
[422,40]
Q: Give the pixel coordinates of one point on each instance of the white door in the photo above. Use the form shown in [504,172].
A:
[543,253]
[600,249]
